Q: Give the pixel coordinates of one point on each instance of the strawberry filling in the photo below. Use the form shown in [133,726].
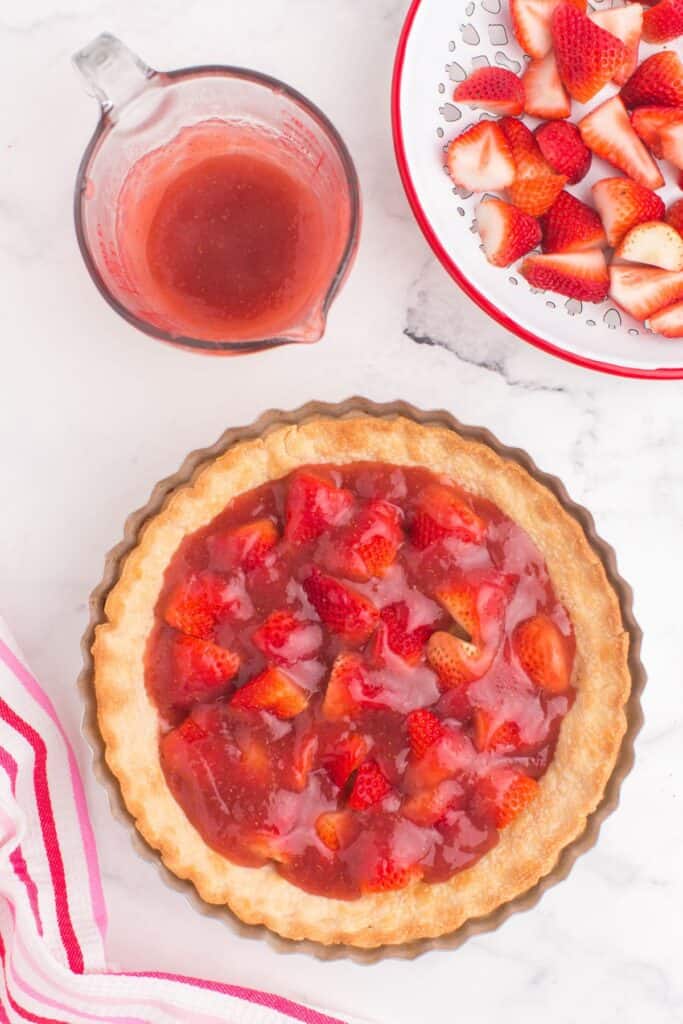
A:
[361,672]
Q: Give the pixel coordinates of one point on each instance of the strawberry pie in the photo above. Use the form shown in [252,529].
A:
[361,680]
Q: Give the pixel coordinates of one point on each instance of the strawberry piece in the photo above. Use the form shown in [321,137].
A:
[455,661]
[607,130]
[626,23]
[671,139]
[346,756]
[336,829]
[579,275]
[479,159]
[654,243]
[531,23]
[564,149]
[642,291]
[424,728]
[370,786]
[648,123]
[663,22]
[286,639]
[443,759]
[272,691]
[190,731]
[490,735]
[544,94]
[493,89]
[202,669]
[479,611]
[196,605]
[314,503]
[303,759]
[346,670]
[668,321]
[657,82]
[430,805]
[536,186]
[245,547]
[343,610]
[674,215]
[622,203]
[408,644]
[587,56]
[541,650]
[571,226]
[503,795]
[373,541]
[388,876]
[440,511]
[505,231]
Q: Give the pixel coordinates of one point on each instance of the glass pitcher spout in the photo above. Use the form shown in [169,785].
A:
[113,74]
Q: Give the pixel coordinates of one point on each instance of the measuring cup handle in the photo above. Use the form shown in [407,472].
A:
[114,75]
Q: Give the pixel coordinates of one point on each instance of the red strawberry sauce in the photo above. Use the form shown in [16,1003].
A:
[342,796]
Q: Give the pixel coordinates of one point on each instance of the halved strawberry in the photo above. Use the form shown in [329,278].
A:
[536,185]
[255,764]
[369,546]
[622,203]
[286,639]
[506,232]
[429,805]
[658,82]
[579,275]
[196,605]
[562,146]
[344,611]
[663,22]
[408,644]
[671,139]
[456,661]
[531,21]
[674,215]
[345,757]
[587,56]
[478,609]
[424,728]
[571,226]
[490,734]
[245,547]
[503,795]
[387,875]
[668,321]
[347,678]
[542,652]
[544,94]
[654,243]
[608,131]
[370,786]
[444,759]
[336,829]
[626,23]
[441,511]
[642,291]
[479,159]
[492,88]
[648,122]
[272,691]
[314,503]
[202,670]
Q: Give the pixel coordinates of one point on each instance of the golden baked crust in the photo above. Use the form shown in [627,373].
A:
[570,790]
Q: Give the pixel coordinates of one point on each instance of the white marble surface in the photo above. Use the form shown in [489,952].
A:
[92,414]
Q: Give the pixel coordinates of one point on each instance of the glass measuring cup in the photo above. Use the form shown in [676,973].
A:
[153,125]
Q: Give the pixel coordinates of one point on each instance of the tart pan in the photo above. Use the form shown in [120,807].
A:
[273,419]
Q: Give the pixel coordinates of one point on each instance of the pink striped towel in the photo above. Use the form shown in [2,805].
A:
[53,916]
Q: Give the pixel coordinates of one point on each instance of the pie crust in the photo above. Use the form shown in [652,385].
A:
[570,790]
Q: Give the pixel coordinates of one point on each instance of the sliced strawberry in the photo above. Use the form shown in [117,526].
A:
[657,82]
[336,829]
[370,786]
[345,757]
[456,661]
[654,243]
[478,609]
[562,146]
[531,23]
[490,735]
[369,547]
[493,89]
[387,876]
[346,670]
[255,762]
[674,215]
[571,226]
[342,609]
[202,670]
[642,291]
[579,275]
[429,805]
[286,639]
[648,122]
[536,185]
[505,231]
[671,139]
[542,652]
[479,159]
[314,503]
[272,691]
[503,795]
[668,321]
[245,547]
[626,23]
[444,759]
[408,644]
[266,846]
[190,731]
[441,511]
[622,203]
[303,759]
[587,56]
[607,130]
[544,94]
[196,605]
[424,728]
[663,22]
